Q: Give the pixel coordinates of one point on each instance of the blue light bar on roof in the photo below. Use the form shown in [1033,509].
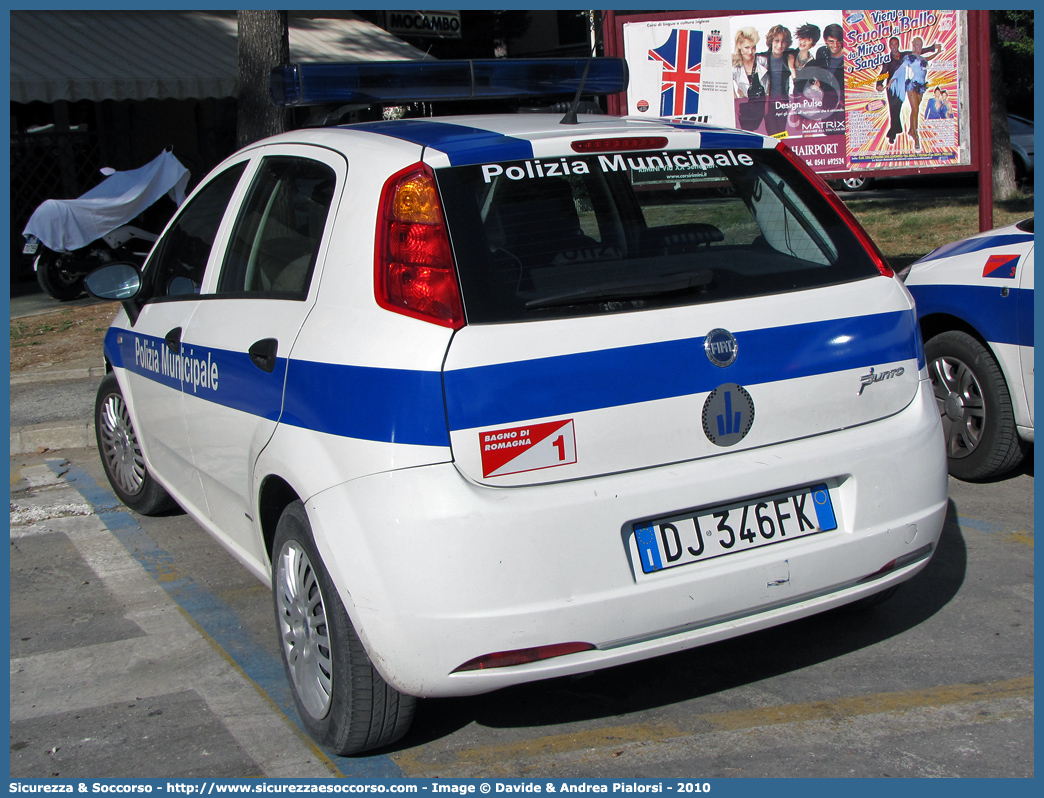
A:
[398,82]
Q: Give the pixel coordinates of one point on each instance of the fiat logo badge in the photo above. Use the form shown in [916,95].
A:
[721,347]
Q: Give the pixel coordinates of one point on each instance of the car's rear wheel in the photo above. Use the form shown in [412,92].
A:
[978,421]
[121,454]
[857,183]
[344,703]
[1019,167]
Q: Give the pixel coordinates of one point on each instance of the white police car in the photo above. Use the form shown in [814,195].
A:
[975,305]
[499,398]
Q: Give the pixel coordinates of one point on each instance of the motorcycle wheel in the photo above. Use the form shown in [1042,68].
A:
[56,280]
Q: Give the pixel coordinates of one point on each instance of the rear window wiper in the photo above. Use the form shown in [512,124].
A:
[625,289]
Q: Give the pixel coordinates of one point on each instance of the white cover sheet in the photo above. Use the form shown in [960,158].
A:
[65,225]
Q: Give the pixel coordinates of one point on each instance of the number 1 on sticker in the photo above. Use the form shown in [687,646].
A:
[559,443]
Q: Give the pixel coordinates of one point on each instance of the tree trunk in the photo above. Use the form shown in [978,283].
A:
[1004,187]
[264,42]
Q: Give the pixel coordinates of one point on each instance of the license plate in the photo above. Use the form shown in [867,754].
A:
[32,243]
[730,529]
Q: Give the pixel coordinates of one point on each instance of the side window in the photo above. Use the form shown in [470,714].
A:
[276,239]
[176,266]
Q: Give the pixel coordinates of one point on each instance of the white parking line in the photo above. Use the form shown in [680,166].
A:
[172,655]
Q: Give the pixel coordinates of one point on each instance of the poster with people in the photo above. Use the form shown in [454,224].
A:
[901,107]
[789,82]
[847,90]
[778,74]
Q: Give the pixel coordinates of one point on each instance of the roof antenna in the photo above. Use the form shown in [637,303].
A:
[570,116]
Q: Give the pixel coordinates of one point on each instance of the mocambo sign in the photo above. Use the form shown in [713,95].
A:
[443,24]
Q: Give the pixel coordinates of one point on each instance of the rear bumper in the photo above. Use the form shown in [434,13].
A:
[435,570]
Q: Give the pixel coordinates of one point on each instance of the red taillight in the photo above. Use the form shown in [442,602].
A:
[414,273]
[619,144]
[504,659]
[842,210]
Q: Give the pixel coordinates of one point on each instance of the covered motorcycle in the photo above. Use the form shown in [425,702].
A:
[70,238]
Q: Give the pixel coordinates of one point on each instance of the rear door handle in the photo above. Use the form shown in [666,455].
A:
[173,340]
[263,354]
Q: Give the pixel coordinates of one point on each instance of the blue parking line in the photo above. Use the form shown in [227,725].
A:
[964,522]
[211,614]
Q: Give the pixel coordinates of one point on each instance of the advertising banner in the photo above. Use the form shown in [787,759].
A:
[798,81]
[847,90]
[902,99]
[679,69]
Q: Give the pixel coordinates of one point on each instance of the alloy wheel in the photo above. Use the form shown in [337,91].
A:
[961,406]
[120,446]
[303,629]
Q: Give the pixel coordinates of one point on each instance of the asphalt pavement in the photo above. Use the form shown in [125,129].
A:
[141,649]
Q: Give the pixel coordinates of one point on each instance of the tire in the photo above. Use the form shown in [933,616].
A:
[121,455]
[344,703]
[978,422]
[857,183]
[54,279]
[1020,167]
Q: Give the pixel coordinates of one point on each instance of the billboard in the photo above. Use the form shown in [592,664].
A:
[847,90]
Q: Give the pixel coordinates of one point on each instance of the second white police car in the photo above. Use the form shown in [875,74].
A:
[493,399]
[975,304]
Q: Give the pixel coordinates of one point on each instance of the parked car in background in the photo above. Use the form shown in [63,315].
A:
[975,307]
[854,183]
[1021,131]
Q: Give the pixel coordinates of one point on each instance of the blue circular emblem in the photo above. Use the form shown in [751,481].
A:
[728,414]
[721,347]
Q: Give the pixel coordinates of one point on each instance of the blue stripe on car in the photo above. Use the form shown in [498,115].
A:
[390,405]
[555,386]
[724,141]
[240,384]
[464,145]
[469,145]
[995,316]
[407,406]
[712,137]
[377,404]
[977,245]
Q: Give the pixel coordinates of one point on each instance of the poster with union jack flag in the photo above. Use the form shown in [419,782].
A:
[681,59]
[679,70]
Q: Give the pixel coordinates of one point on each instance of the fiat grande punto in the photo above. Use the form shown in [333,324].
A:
[975,306]
[493,399]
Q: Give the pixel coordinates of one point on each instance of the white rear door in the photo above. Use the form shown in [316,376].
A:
[238,343]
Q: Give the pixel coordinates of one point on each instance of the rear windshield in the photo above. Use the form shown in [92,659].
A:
[583,235]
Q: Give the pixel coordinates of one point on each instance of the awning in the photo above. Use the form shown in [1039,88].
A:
[137,55]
